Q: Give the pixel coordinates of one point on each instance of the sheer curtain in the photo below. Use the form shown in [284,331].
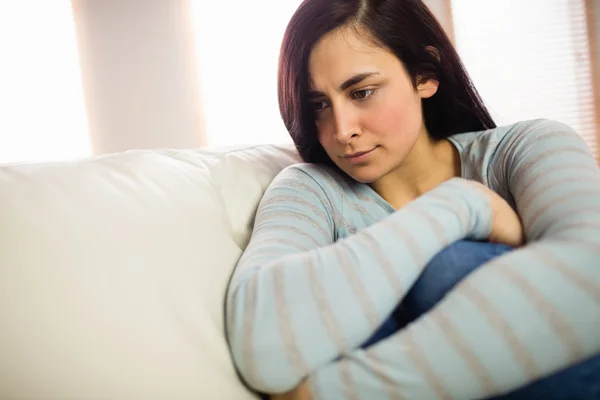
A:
[238,45]
[42,112]
[530,59]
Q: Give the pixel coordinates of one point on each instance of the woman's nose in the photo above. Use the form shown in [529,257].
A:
[346,126]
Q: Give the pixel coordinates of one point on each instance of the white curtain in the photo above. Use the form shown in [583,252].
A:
[529,59]
[238,45]
[42,113]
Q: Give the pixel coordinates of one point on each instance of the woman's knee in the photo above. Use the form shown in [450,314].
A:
[446,269]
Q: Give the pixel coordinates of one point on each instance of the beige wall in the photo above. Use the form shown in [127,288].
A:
[139,74]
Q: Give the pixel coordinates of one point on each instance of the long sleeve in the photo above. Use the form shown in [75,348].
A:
[520,317]
[298,299]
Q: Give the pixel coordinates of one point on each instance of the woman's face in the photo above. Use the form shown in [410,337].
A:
[368,113]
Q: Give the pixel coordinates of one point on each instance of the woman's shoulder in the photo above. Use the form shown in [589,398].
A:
[314,182]
[515,141]
[500,144]
[305,170]
[506,135]
[319,176]
[522,132]
[488,155]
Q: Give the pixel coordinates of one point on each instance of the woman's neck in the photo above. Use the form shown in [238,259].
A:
[427,165]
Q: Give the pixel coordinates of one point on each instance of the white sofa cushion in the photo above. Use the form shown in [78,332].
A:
[113,272]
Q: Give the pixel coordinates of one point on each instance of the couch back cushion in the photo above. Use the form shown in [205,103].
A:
[113,271]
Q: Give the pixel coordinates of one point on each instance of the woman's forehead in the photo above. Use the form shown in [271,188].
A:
[346,40]
[338,56]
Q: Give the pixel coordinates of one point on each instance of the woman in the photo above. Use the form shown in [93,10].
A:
[403,163]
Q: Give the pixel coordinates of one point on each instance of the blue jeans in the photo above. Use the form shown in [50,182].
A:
[446,269]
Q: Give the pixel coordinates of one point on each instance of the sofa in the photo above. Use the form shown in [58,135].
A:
[113,271]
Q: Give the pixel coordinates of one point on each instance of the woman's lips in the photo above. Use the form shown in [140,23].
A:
[359,156]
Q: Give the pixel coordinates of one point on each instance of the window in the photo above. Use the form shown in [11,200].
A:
[238,50]
[42,114]
[529,59]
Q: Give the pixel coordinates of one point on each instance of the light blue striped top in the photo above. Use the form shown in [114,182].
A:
[329,260]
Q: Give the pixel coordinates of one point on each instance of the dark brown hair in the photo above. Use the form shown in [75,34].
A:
[405,27]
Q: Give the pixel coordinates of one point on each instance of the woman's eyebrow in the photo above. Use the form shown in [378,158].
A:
[356,79]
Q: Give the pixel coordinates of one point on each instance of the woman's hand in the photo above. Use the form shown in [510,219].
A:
[506,224]
[301,392]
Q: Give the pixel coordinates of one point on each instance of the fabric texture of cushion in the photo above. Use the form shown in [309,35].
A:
[113,271]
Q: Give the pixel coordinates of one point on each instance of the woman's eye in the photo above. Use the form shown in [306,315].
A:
[318,105]
[363,94]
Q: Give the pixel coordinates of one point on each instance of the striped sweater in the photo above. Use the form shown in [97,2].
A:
[329,260]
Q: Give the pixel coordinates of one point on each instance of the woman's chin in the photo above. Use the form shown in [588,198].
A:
[364,174]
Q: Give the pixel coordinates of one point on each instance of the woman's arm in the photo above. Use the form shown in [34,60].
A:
[297,300]
[520,317]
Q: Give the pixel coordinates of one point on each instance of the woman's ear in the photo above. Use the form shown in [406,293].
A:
[434,52]
[427,84]
[427,88]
